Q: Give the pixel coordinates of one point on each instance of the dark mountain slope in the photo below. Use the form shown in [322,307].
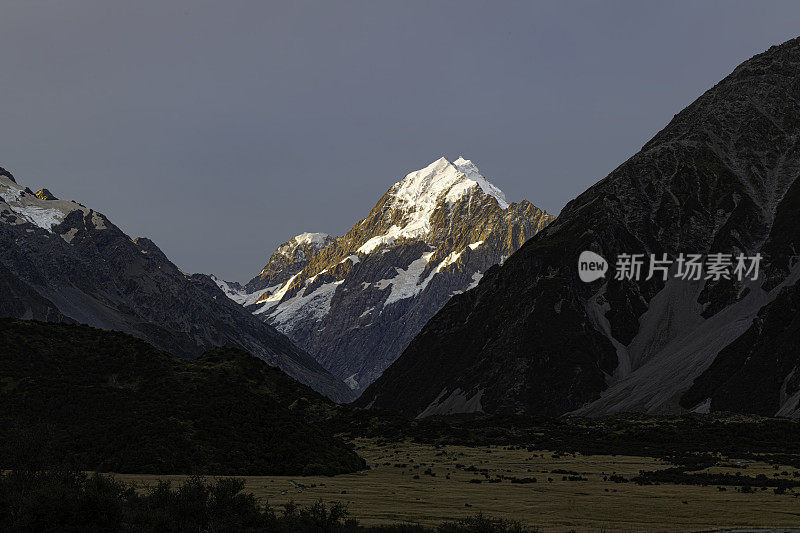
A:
[67,258]
[110,402]
[20,300]
[533,338]
[758,373]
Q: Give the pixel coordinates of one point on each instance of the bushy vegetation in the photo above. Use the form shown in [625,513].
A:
[64,500]
[114,403]
[680,476]
[483,524]
[71,501]
[109,402]
[687,439]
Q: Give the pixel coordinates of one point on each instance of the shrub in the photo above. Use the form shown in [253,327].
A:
[483,524]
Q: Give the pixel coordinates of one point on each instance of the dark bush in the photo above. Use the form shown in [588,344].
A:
[483,524]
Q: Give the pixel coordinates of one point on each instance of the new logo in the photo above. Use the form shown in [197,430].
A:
[591,266]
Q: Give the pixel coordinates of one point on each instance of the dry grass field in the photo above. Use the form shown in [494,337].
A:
[424,484]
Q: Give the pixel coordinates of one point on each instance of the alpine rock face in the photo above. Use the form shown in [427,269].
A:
[355,302]
[722,177]
[63,262]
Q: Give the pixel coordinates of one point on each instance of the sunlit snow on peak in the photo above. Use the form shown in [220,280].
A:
[455,179]
[468,168]
[317,239]
[30,208]
[419,194]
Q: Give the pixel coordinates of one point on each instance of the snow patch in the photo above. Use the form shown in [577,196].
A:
[251,298]
[407,284]
[317,239]
[351,382]
[11,191]
[68,236]
[275,298]
[303,307]
[40,216]
[238,296]
[703,407]
[451,258]
[476,278]
[388,239]
[98,221]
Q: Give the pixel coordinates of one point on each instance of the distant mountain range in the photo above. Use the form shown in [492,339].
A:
[356,301]
[63,262]
[446,298]
[722,177]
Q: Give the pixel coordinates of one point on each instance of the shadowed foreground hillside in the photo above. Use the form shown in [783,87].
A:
[108,402]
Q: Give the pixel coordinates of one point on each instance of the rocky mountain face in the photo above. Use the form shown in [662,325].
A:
[722,177]
[63,262]
[355,302]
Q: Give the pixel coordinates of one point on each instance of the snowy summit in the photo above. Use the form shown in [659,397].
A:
[456,179]
[419,194]
[355,301]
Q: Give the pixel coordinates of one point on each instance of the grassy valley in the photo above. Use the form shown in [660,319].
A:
[548,491]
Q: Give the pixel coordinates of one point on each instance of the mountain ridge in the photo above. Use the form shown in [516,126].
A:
[61,259]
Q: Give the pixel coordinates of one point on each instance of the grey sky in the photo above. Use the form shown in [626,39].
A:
[220,129]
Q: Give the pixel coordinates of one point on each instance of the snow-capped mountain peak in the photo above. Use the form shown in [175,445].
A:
[421,193]
[423,187]
[357,300]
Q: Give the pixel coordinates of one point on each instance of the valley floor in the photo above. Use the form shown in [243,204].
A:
[425,484]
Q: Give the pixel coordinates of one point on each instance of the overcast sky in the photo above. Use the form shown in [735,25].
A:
[221,129]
